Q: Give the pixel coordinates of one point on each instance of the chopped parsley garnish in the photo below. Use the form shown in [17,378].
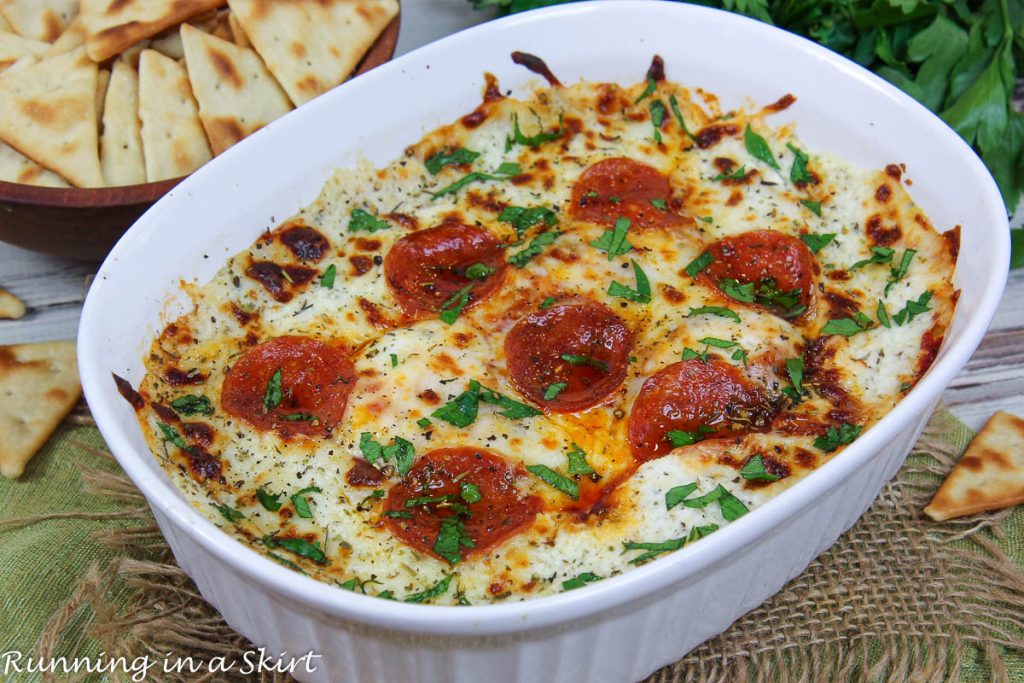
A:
[356,585]
[172,435]
[297,546]
[718,343]
[640,295]
[896,274]
[523,218]
[878,255]
[548,303]
[327,279]
[365,221]
[732,174]
[674,104]
[505,171]
[578,462]
[555,480]
[698,264]
[537,140]
[883,315]
[798,173]
[795,370]
[768,294]
[580,580]
[462,410]
[300,501]
[677,494]
[739,354]
[507,407]
[659,204]
[480,271]
[732,507]
[614,241]
[754,470]
[690,354]
[451,538]
[657,109]
[679,438]
[269,501]
[398,514]
[440,588]
[470,492]
[648,91]
[452,308]
[459,155]
[913,309]
[273,395]
[720,311]
[300,417]
[229,513]
[576,360]
[653,549]
[400,450]
[424,422]
[394,360]
[707,219]
[553,390]
[812,206]
[758,147]
[836,437]
[847,327]
[535,248]
[817,241]
[734,290]
[190,404]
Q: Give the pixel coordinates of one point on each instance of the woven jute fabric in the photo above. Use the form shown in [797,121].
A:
[897,598]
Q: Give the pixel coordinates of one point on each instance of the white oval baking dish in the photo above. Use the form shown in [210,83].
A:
[625,627]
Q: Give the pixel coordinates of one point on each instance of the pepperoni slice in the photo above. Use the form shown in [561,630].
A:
[780,267]
[314,386]
[710,399]
[444,476]
[620,187]
[425,269]
[583,346]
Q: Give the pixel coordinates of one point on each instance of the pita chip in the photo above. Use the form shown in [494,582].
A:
[121,142]
[20,63]
[237,32]
[38,387]
[312,45]
[13,47]
[5,26]
[989,476]
[17,168]
[73,36]
[49,115]
[102,81]
[11,307]
[173,141]
[113,25]
[237,95]
[41,20]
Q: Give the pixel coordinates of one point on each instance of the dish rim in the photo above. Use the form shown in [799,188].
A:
[632,586]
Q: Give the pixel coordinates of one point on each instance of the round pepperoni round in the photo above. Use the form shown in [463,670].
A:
[429,270]
[694,400]
[764,267]
[568,357]
[622,188]
[457,502]
[292,385]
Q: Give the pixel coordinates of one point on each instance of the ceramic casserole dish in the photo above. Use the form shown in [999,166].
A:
[625,627]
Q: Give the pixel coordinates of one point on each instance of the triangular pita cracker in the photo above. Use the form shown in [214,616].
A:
[312,45]
[113,25]
[102,81]
[5,25]
[121,143]
[39,19]
[73,36]
[237,95]
[11,307]
[49,115]
[18,168]
[13,47]
[20,63]
[38,387]
[173,141]
[989,476]
[237,32]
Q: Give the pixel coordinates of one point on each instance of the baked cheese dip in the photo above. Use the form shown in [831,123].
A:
[558,338]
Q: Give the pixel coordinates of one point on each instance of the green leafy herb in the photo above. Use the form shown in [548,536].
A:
[459,155]
[718,343]
[698,264]
[327,279]
[758,147]
[480,271]
[452,308]
[657,109]
[462,410]
[614,241]
[798,173]
[553,390]
[882,315]
[229,513]
[732,507]
[505,171]
[555,480]
[838,436]
[795,370]
[813,206]
[580,580]
[735,174]
[707,219]
[653,549]
[400,450]
[269,501]
[451,538]
[816,242]
[707,499]
[690,354]
[440,588]
[896,274]
[913,309]
[548,303]
[171,434]
[535,248]
[640,295]
[648,91]
[675,495]
[423,422]
[720,311]
[300,417]
[300,501]
[847,327]
[734,290]
[190,404]
[524,218]
[537,140]
[673,103]
[273,395]
[679,438]
[659,204]
[507,407]
[741,355]
[297,546]
[394,360]
[398,514]
[878,255]
[754,470]
[576,360]
[578,462]
[366,222]
[469,492]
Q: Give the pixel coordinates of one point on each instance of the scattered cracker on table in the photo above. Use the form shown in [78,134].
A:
[11,307]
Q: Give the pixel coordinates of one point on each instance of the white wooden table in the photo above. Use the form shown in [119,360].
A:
[54,289]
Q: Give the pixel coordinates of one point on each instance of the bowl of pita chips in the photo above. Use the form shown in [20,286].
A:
[105,105]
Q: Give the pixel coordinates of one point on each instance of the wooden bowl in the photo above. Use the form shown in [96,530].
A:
[83,224]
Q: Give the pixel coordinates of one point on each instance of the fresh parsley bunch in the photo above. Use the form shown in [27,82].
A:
[960,58]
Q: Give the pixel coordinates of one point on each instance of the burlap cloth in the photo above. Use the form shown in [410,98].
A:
[897,598]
